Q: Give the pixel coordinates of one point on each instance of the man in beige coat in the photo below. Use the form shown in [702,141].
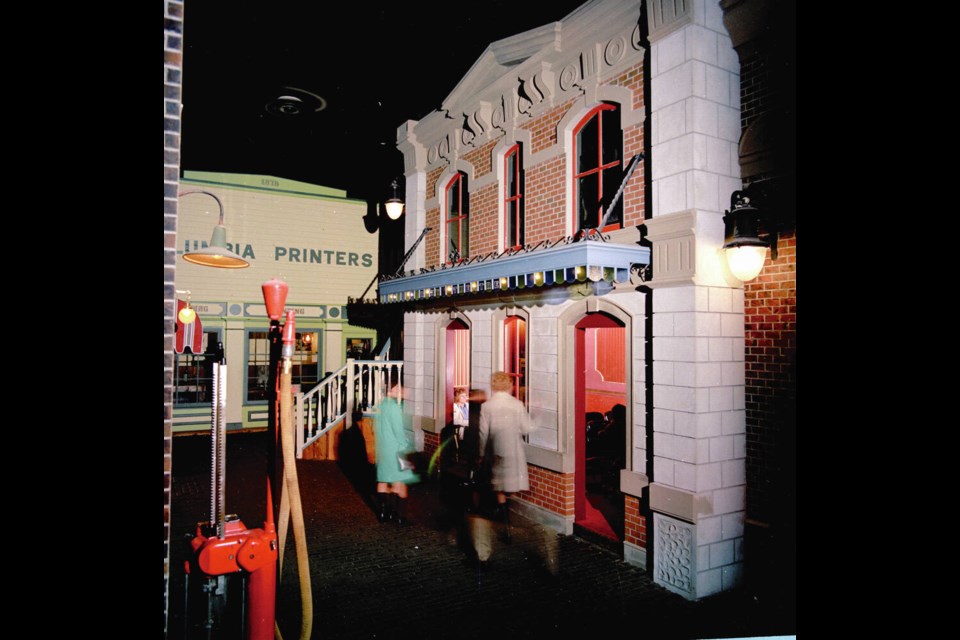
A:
[503,420]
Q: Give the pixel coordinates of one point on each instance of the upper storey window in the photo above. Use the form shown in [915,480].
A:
[598,150]
[513,198]
[457,219]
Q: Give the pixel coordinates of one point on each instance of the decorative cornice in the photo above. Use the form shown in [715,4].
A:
[666,16]
[674,248]
[556,62]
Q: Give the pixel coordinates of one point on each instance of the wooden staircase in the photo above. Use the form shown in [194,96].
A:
[347,396]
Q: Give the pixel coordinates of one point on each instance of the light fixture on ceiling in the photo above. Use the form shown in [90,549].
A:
[293,102]
[745,250]
[187,314]
[216,254]
[394,205]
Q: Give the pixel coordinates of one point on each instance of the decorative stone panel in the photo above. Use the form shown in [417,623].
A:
[674,557]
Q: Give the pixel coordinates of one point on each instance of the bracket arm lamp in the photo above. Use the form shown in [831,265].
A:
[216,254]
[745,250]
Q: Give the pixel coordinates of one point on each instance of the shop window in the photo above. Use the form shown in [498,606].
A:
[598,150]
[513,232]
[359,348]
[193,372]
[457,219]
[515,354]
[305,370]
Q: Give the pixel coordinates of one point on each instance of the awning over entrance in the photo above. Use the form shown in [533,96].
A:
[559,264]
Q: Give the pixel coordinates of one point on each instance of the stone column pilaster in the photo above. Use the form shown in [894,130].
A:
[698,490]
[419,377]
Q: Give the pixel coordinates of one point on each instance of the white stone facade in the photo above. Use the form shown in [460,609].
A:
[699,459]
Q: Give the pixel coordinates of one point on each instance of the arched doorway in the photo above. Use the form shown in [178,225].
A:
[600,369]
[457,361]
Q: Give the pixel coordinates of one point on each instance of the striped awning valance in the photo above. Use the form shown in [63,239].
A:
[561,264]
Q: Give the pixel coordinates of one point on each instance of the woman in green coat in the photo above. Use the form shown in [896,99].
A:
[392,441]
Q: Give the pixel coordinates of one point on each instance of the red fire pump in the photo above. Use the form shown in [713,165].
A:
[224,547]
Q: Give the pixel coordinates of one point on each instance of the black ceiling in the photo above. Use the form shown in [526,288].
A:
[353,73]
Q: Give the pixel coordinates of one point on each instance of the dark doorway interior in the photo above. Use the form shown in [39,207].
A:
[601,398]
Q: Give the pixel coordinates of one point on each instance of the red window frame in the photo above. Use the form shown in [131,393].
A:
[608,174]
[513,235]
[457,215]
[515,354]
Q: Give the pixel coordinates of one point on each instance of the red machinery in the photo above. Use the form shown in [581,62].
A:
[224,547]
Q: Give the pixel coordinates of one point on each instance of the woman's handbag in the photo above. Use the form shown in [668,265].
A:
[405,463]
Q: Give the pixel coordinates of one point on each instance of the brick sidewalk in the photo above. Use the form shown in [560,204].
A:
[372,580]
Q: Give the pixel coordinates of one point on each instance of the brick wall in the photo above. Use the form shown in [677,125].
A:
[757,92]
[770,311]
[544,200]
[481,159]
[550,490]
[770,300]
[172,47]
[483,228]
[634,524]
[432,241]
[431,244]
[543,129]
[431,441]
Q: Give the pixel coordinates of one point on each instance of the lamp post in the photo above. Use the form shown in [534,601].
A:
[216,254]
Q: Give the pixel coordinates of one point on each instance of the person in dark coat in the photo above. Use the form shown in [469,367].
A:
[460,452]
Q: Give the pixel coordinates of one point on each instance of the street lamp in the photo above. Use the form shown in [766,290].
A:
[394,205]
[216,254]
[746,251]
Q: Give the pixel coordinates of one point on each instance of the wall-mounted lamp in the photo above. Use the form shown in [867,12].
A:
[394,205]
[216,254]
[187,315]
[746,250]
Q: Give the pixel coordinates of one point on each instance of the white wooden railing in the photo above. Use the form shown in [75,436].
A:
[357,386]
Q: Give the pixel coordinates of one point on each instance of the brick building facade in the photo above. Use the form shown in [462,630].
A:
[663,80]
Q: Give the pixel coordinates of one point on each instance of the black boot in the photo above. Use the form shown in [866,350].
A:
[384,513]
[400,509]
[503,511]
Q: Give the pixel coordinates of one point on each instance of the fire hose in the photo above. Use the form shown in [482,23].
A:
[290,503]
